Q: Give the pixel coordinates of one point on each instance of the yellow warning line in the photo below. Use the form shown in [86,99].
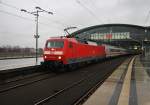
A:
[125,92]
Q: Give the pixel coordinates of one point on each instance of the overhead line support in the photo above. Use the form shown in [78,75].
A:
[36,14]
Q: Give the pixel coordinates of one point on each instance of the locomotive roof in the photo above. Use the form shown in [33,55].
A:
[60,38]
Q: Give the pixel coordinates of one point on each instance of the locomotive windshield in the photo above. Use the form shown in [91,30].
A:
[55,44]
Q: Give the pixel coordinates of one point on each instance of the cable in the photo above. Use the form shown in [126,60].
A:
[147,17]
[92,4]
[25,18]
[88,10]
[11,14]
[8,5]
[14,7]
[55,21]
[85,8]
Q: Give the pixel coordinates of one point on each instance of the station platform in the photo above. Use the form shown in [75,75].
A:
[128,85]
[18,63]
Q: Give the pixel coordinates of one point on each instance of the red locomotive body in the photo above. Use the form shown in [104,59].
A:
[68,52]
[65,51]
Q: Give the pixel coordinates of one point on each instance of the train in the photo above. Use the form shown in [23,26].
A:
[66,52]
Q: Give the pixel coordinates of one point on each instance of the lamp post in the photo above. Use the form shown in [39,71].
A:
[36,14]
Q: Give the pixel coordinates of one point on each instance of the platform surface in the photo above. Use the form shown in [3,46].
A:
[139,91]
[18,63]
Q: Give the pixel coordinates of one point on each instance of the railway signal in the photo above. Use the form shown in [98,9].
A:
[36,14]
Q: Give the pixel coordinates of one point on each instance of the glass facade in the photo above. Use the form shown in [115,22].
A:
[115,33]
[129,36]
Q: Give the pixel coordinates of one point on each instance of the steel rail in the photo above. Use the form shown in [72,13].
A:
[22,78]
[71,86]
[27,83]
[64,89]
[41,102]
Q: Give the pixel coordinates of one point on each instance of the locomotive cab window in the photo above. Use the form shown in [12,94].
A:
[55,44]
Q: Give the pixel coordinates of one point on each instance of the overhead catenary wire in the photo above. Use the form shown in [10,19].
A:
[88,10]
[61,24]
[25,18]
[92,4]
[28,19]
[12,14]
[17,8]
[8,5]
[147,18]
[52,20]
[55,21]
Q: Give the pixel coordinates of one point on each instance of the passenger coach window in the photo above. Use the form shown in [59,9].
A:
[55,44]
[70,45]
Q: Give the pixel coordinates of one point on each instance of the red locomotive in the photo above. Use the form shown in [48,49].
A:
[62,51]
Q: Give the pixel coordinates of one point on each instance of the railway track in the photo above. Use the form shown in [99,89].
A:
[26,81]
[50,99]
[52,91]
[21,77]
[69,87]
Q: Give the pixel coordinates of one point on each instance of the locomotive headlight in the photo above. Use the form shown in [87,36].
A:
[59,57]
[45,57]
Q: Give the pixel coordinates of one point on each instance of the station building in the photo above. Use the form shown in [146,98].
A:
[122,35]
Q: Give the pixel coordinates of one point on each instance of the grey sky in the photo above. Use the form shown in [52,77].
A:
[18,28]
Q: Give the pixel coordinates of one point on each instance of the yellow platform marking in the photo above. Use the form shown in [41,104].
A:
[125,92]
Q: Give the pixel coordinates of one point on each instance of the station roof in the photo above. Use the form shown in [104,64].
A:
[131,41]
[109,25]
